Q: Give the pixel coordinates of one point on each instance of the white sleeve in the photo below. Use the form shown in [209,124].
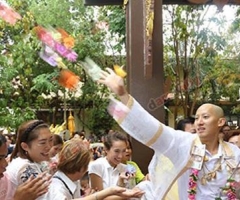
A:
[172,149]
[53,195]
[26,171]
[95,168]
[148,130]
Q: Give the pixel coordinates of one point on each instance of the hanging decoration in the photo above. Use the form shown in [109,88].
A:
[57,45]
[68,79]
[91,68]
[8,14]
[125,2]
[71,123]
[58,41]
[148,21]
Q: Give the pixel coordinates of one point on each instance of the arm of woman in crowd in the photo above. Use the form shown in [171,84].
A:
[32,188]
[96,182]
[115,83]
[114,193]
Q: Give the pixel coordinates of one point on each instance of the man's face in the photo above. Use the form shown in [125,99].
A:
[3,162]
[190,128]
[226,130]
[234,140]
[207,122]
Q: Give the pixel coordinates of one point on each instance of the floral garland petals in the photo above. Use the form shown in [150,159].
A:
[49,56]
[193,178]
[59,40]
[8,14]
[68,79]
[228,190]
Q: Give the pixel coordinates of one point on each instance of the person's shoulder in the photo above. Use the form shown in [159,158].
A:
[232,146]
[60,176]
[17,163]
[4,180]
[14,166]
[99,161]
[55,192]
[132,163]
[26,171]
[4,186]
[98,165]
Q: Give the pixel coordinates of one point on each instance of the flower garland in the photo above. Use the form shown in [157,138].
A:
[192,184]
[229,189]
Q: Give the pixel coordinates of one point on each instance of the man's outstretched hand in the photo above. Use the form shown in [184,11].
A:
[115,83]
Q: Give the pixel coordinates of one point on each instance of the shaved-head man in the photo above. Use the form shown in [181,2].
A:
[209,119]
[199,166]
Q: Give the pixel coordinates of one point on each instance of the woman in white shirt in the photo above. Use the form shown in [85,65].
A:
[34,140]
[105,172]
[73,164]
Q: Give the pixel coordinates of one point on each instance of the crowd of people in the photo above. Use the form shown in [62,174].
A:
[50,168]
[197,160]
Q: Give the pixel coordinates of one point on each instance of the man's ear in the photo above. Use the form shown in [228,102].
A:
[221,121]
[24,146]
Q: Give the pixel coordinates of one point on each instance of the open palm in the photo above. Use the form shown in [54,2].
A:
[114,82]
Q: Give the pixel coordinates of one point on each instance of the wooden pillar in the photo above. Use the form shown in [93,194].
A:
[147,91]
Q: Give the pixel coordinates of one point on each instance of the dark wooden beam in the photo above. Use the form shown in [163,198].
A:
[166,2]
[120,2]
[103,2]
[145,90]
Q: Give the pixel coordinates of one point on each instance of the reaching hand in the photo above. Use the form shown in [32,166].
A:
[114,82]
[33,188]
[116,190]
[133,193]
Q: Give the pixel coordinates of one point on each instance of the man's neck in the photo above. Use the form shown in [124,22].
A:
[211,145]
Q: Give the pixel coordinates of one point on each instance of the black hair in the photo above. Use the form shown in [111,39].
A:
[2,139]
[57,139]
[80,133]
[115,136]
[225,125]
[231,133]
[26,132]
[182,123]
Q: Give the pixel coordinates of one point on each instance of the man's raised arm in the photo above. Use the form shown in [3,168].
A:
[115,83]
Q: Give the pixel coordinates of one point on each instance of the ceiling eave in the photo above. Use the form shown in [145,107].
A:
[120,2]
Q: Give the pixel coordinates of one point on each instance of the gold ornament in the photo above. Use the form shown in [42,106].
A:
[71,123]
[125,2]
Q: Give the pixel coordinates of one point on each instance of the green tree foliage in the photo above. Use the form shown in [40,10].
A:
[193,55]
[24,76]
[115,17]
[195,48]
